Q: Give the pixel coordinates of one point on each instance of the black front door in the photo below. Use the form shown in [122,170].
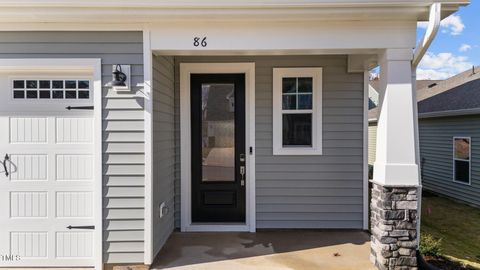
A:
[218,147]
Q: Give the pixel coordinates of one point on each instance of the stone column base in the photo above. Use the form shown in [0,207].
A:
[394,219]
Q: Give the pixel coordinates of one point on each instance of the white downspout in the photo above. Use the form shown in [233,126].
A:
[432,30]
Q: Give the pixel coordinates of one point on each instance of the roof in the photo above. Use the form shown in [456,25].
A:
[424,83]
[448,84]
[458,95]
[461,97]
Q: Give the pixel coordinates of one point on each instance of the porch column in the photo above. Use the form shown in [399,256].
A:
[394,203]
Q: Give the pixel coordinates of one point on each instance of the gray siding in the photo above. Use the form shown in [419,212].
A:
[372,142]
[304,191]
[123,140]
[163,148]
[436,150]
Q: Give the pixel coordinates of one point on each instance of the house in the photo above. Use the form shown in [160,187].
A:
[449,117]
[220,116]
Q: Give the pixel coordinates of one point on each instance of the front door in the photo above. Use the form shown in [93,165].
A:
[218,148]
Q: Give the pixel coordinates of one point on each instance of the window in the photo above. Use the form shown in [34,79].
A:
[297,111]
[461,159]
[50,89]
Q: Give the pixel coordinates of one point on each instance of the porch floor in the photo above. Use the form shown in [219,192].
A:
[279,250]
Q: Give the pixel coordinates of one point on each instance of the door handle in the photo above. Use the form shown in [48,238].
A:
[79,108]
[5,159]
[91,227]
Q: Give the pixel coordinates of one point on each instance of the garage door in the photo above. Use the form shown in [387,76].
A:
[47,172]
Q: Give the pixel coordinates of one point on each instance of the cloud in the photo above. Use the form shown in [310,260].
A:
[441,66]
[422,25]
[465,47]
[452,24]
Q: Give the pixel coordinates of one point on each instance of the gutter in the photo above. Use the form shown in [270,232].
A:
[432,30]
[218,4]
[449,113]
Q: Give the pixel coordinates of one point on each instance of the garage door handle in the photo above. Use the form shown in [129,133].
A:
[81,227]
[5,159]
[79,108]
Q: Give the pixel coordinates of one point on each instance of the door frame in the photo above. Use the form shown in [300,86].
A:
[94,67]
[185,144]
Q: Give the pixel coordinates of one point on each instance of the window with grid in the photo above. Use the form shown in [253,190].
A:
[461,159]
[297,111]
[46,89]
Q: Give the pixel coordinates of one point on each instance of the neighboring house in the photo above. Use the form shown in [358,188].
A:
[449,131]
[221,116]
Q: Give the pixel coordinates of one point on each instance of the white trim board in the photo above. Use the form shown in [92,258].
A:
[366,199]
[93,66]
[147,89]
[185,143]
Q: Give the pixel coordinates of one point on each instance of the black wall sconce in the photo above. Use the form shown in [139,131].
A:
[119,77]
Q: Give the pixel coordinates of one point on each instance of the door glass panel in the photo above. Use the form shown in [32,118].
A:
[218,132]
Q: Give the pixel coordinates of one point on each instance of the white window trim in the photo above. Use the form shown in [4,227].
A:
[316,74]
[469,161]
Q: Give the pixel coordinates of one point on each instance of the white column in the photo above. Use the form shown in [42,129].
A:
[396,163]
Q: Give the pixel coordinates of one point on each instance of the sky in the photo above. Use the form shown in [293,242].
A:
[455,48]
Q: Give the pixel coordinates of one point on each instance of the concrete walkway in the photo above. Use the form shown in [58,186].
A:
[267,250]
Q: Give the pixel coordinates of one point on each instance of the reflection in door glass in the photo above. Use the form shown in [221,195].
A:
[218,132]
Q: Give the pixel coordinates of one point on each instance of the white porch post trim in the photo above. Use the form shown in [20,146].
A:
[396,183]
[396,163]
[147,88]
[366,84]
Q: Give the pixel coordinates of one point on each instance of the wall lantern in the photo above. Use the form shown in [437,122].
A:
[120,80]
[119,77]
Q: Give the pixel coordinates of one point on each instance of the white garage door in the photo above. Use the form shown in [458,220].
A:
[47,173]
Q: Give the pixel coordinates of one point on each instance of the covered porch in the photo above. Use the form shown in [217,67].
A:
[301,191]
[266,249]
[317,182]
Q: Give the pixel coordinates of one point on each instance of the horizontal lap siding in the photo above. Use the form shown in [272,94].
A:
[123,132]
[372,142]
[305,191]
[436,150]
[163,148]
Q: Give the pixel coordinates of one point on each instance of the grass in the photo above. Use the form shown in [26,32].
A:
[457,224]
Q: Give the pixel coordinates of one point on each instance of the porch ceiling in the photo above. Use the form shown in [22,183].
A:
[366,52]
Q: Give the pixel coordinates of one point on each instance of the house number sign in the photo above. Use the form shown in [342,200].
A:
[200,42]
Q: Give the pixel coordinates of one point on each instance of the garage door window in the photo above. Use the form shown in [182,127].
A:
[46,89]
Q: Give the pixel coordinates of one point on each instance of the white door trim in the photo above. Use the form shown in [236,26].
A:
[92,65]
[185,143]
